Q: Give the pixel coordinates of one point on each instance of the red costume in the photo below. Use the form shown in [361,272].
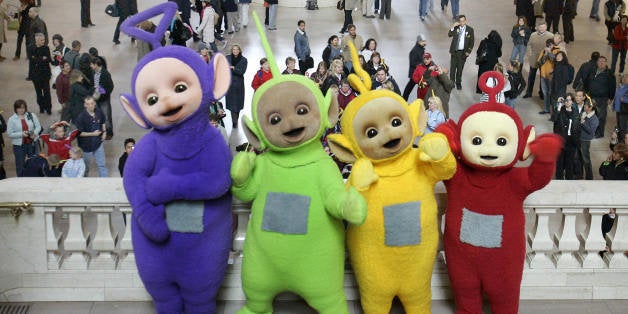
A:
[417,77]
[484,237]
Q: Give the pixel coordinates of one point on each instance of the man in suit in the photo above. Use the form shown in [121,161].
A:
[461,45]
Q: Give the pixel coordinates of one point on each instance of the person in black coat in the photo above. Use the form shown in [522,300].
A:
[553,9]
[40,64]
[560,77]
[493,44]
[126,9]
[24,28]
[567,125]
[526,8]
[79,89]
[600,85]
[584,70]
[416,58]
[235,94]
[104,85]
[616,166]
[569,13]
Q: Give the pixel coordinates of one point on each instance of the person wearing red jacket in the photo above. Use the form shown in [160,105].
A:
[417,76]
[262,75]
[620,44]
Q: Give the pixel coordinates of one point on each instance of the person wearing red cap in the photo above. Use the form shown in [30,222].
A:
[418,78]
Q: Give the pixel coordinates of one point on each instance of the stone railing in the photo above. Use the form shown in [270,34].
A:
[75,243]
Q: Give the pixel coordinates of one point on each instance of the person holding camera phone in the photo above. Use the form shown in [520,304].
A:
[23,128]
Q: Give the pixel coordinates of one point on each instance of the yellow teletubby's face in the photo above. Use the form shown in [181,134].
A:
[382,128]
[489,139]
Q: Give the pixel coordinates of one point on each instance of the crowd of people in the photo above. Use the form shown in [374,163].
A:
[81,79]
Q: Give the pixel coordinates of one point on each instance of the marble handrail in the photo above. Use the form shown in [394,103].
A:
[78,238]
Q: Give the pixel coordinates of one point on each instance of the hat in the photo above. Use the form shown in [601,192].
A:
[202,46]
[427,55]
[420,38]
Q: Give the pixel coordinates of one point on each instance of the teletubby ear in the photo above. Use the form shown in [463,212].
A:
[417,113]
[341,147]
[332,112]
[129,104]
[251,133]
[222,75]
[531,136]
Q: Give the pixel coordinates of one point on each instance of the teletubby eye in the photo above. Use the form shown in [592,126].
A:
[180,88]
[477,140]
[396,122]
[302,109]
[502,141]
[371,133]
[274,119]
[152,100]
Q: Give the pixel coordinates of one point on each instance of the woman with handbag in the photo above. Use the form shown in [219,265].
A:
[488,57]
[23,128]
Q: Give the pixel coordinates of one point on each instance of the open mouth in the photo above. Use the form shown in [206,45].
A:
[392,143]
[488,157]
[294,132]
[173,111]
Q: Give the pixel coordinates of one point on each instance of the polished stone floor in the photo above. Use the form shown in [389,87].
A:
[395,37]
[296,307]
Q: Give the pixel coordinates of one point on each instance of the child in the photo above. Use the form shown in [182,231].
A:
[204,52]
[42,166]
[262,75]
[215,120]
[59,143]
[74,167]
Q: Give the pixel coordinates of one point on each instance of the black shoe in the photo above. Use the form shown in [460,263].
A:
[527,96]
[117,42]
[92,24]
[459,87]
[601,253]
[84,26]
[28,79]
[544,112]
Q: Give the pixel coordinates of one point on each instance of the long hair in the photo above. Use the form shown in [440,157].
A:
[525,21]
[496,38]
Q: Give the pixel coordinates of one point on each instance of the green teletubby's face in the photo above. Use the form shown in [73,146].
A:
[288,115]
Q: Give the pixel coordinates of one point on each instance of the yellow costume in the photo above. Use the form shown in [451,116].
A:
[393,252]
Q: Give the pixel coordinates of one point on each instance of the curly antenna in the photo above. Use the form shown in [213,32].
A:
[129,26]
[491,91]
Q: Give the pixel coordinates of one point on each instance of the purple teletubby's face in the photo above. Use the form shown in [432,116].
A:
[167,97]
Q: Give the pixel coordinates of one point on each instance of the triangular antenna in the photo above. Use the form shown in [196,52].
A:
[274,69]
[129,26]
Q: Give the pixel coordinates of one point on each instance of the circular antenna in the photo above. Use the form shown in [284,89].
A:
[491,91]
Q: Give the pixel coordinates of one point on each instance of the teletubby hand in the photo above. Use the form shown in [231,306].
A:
[354,207]
[449,129]
[363,174]
[433,147]
[546,147]
[153,224]
[242,167]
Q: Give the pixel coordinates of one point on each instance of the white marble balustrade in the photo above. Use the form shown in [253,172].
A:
[76,245]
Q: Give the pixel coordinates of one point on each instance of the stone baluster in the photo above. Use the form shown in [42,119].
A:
[242,210]
[567,242]
[75,243]
[528,213]
[126,260]
[541,242]
[103,240]
[619,240]
[593,240]
[52,239]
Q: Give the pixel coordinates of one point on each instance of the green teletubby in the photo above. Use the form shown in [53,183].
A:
[295,238]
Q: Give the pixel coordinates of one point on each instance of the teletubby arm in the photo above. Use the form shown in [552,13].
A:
[545,150]
[210,179]
[436,156]
[339,202]
[150,217]
[245,173]
[362,175]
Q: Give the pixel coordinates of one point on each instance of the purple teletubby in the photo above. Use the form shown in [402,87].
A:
[177,178]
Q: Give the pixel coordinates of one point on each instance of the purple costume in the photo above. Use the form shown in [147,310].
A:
[177,178]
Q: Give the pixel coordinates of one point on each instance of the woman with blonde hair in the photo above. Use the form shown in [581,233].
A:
[434,112]
[320,75]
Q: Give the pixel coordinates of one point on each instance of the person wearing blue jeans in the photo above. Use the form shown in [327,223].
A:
[92,125]
[423,9]
[520,36]
[272,15]
[595,8]
[455,8]
[23,128]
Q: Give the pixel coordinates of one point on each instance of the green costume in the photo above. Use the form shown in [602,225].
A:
[295,236]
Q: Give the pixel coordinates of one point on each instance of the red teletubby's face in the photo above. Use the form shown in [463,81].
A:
[489,139]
